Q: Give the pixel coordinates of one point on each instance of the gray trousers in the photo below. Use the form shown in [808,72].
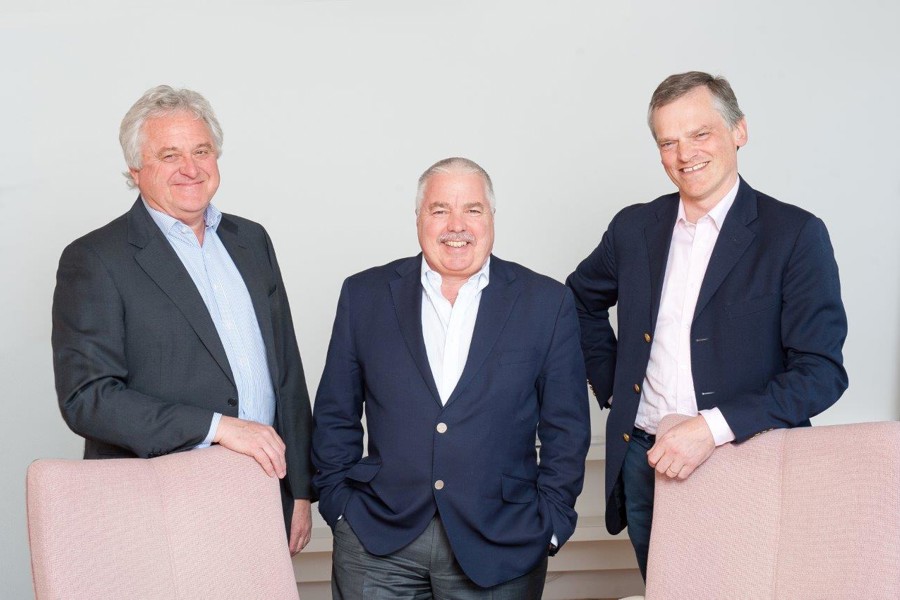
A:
[425,569]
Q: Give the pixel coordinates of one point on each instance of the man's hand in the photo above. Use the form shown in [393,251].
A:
[256,440]
[682,449]
[301,526]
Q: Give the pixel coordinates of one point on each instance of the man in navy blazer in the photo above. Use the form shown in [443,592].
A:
[729,308]
[457,359]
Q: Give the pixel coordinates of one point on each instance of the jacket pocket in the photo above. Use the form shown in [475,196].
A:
[364,471]
[517,491]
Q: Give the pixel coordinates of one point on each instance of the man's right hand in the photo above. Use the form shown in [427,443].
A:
[256,440]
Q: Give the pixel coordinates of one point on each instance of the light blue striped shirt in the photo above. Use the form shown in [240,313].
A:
[226,297]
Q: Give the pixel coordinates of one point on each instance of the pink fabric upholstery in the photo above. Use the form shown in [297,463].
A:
[807,513]
[192,525]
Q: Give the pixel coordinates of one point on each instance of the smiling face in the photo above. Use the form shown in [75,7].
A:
[698,149]
[455,224]
[179,173]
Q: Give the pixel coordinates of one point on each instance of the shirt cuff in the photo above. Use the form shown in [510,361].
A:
[213,427]
[721,431]
[554,540]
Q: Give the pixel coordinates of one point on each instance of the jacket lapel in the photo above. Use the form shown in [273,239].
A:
[406,292]
[497,301]
[658,237]
[250,270]
[157,258]
[733,240]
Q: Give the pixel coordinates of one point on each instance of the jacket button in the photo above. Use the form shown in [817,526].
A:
[441,427]
[637,388]
[232,402]
[626,437]
[439,484]
[647,337]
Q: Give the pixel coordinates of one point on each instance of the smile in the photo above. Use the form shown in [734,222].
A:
[696,167]
[456,244]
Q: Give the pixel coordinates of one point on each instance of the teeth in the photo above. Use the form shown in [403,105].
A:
[695,167]
[455,244]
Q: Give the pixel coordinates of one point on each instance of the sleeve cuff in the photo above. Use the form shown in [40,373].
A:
[721,431]
[213,427]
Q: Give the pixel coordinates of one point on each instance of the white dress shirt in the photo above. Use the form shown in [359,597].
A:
[447,328]
[669,382]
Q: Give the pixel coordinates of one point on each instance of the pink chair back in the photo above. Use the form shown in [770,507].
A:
[192,525]
[792,514]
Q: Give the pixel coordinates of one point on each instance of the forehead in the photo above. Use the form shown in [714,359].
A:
[455,186]
[692,110]
[175,130]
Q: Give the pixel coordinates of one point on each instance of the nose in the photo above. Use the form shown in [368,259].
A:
[456,221]
[188,166]
[686,151]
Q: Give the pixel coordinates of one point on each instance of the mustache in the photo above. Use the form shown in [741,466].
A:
[462,236]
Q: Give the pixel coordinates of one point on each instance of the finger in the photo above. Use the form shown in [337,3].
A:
[276,458]
[685,472]
[264,461]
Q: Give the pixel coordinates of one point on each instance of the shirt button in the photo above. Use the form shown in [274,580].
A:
[647,337]
[232,402]
[441,427]
[637,388]
[626,437]
[439,484]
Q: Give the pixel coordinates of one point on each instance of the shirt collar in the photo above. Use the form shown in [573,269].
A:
[719,211]
[434,279]
[169,224]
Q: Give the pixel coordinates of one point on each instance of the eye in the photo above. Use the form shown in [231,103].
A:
[169,157]
[439,212]
[474,211]
[702,135]
[666,145]
[201,152]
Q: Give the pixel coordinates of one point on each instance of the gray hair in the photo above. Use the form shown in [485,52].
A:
[161,101]
[455,164]
[676,86]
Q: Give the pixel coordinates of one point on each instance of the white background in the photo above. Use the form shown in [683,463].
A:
[331,109]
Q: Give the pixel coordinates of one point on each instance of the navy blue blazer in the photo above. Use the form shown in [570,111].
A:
[524,375]
[767,332]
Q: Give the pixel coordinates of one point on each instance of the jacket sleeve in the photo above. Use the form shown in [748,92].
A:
[338,430]
[564,429]
[91,367]
[594,285]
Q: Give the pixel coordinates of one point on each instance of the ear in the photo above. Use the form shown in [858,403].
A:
[739,133]
[135,176]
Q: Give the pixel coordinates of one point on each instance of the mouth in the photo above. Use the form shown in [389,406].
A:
[695,168]
[455,244]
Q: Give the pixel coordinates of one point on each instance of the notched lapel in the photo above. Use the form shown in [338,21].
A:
[250,269]
[658,237]
[497,302]
[733,241]
[157,258]
[406,292]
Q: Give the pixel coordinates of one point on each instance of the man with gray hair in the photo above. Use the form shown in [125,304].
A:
[729,308]
[171,326]
[458,359]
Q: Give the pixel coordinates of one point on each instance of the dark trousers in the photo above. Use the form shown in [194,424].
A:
[638,479]
[425,569]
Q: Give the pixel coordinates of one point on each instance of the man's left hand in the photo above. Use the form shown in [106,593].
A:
[682,449]
[301,526]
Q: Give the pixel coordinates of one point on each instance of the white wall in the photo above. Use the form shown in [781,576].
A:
[331,109]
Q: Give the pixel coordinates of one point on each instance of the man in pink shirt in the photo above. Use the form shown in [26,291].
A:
[729,308]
